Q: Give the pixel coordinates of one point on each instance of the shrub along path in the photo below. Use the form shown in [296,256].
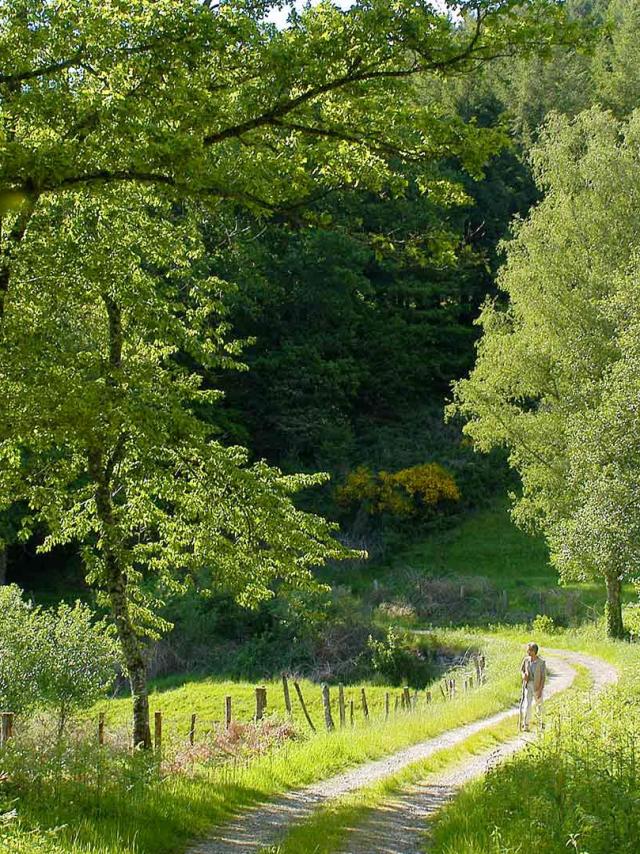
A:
[267,824]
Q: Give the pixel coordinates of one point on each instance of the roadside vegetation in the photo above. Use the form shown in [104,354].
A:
[576,791]
[329,829]
[156,804]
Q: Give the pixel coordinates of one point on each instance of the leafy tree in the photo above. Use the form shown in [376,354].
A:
[555,379]
[105,371]
[19,660]
[77,658]
[215,102]
[57,659]
[201,102]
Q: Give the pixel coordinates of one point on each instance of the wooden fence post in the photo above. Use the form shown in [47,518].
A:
[7,726]
[406,698]
[352,716]
[443,692]
[365,705]
[396,705]
[386,706]
[192,730]
[261,702]
[101,729]
[414,701]
[304,706]
[341,709]
[287,697]
[429,698]
[227,712]
[326,704]
[157,734]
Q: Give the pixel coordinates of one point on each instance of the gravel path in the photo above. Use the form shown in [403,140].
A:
[396,826]
[399,825]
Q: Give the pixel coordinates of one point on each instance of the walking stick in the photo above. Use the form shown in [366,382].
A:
[522,696]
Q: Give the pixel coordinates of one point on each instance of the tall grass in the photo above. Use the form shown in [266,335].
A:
[577,790]
[108,802]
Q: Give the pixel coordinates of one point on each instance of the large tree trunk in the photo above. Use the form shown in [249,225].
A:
[3,564]
[116,587]
[101,471]
[613,608]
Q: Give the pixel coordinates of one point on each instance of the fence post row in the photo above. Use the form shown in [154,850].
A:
[261,702]
[341,708]
[405,699]
[287,697]
[326,704]
[365,705]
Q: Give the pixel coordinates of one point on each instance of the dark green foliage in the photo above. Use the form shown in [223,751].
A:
[402,660]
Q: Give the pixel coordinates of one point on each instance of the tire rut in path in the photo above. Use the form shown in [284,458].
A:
[399,825]
[266,824]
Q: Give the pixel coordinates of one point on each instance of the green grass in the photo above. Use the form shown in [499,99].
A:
[504,573]
[129,812]
[205,698]
[579,792]
[328,829]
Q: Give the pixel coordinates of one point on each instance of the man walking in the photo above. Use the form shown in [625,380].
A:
[534,675]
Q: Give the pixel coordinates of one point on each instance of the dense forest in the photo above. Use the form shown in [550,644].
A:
[319,370]
[347,317]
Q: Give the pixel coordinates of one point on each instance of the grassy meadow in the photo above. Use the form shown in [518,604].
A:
[84,800]
[480,572]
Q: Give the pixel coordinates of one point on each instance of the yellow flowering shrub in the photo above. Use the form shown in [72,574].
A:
[402,493]
[359,485]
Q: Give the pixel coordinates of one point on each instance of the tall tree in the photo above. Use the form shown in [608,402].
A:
[554,370]
[104,377]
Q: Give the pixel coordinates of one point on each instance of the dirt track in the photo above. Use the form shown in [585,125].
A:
[396,827]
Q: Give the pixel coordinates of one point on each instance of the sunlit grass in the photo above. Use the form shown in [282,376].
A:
[132,813]
[329,828]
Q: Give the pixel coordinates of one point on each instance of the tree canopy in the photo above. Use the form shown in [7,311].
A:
[555,378]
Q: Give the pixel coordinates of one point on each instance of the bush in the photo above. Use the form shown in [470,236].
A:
[398,662]
[20,658]
[77,657]
[412,491]
[60,660]
[544,625]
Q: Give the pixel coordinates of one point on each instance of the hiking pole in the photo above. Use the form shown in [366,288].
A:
[522,695]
